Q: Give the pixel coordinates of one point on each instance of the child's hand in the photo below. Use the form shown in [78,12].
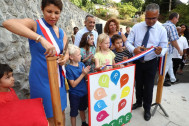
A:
[86,70]
[125,58]
[117,66]
[99,68]
[88,57]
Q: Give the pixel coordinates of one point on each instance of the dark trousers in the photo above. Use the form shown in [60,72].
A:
[182,64]
[144,77]
[176,63]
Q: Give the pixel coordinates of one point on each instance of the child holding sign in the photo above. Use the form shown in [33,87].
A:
[104,56]
[7,94]
[75,73]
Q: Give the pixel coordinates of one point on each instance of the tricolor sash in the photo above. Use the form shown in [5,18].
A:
[50,38]
[134,57]
[161,65]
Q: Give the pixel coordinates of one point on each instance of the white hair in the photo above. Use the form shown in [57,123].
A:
[72,49]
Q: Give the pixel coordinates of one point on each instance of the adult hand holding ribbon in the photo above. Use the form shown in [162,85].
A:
[136,57]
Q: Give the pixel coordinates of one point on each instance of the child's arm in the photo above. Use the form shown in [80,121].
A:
[88,57]
[115,66]
[74,83]
[97,67]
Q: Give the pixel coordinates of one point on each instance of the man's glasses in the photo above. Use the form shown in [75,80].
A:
[154,18]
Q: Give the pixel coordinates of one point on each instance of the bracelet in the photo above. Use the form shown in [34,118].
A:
[38,37]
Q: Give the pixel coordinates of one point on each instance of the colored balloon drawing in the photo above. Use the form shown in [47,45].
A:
[113,97]
[125,91]
[120,121]
[128,117]
[99,105]
[100,93]
[113,123]
[121,104]
[115,76]
[104,80]
[101,116]
[124,79]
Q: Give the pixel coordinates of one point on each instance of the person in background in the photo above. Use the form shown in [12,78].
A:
[111,28]
[121,30]
[185,33]
[150,34]
[127,31]
[172,38]
[45,39]
[75,73]
[7,93]
[120,53]
[75,30]
[183,45]
[89,27]
[88,50]
[104,56]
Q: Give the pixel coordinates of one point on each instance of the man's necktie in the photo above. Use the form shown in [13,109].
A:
[145,40]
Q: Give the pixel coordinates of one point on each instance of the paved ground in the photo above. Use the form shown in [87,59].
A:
[175,101]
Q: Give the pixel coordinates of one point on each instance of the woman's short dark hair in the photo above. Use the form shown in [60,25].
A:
[4,69]
[57,3]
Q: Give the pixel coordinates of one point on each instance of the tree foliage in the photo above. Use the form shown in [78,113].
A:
[127,10]
[136,3]
[183,11]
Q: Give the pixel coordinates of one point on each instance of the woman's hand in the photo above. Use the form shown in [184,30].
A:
[50,49]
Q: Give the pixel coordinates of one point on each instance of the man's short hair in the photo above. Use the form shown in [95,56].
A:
[152,7]
[172,15]
[88,16]
[115,37]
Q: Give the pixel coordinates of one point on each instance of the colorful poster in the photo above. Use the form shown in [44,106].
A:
[110,96]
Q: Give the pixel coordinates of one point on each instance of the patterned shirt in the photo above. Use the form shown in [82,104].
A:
[172,34]
[119,55]
[89,62]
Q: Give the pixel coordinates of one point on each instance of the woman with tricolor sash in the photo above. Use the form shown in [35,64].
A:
[45,39]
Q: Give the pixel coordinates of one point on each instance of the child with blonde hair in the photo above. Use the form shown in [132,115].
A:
[75,73]
[104,56]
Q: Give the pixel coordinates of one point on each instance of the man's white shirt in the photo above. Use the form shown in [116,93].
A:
[80,33]
[183,44]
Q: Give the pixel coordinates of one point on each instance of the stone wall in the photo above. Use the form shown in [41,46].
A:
[14,50]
